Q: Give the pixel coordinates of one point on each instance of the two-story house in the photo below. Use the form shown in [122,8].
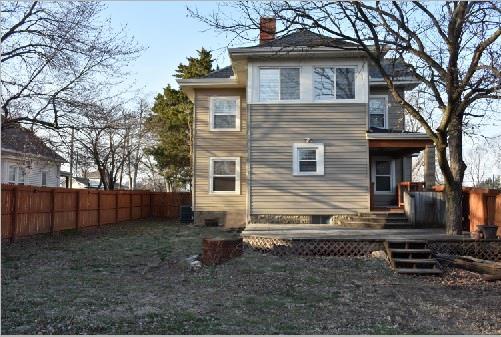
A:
[299,128]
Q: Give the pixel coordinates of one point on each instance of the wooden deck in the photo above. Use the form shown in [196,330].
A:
[312,231]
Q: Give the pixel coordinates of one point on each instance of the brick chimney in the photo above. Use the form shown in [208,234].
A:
[267,29]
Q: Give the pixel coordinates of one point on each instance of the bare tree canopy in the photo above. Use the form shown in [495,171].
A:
[452,48]
[56,55]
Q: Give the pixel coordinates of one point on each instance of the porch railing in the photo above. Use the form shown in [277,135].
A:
[408,186]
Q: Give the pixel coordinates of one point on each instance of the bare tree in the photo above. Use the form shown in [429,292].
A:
[55,55]
[101,136]
[477,162]
[452,48]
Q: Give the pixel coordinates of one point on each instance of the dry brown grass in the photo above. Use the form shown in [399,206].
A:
[132,278]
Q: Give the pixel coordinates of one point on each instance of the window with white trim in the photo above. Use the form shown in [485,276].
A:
[378,111]
[333,83]
[308,159]
[43,178]
[383,176]
[225,113]
[17,175]
[224,175]
[279,84]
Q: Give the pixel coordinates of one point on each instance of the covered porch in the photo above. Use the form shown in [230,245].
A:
[390,158]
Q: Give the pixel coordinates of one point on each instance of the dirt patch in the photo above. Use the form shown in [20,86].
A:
[133,278]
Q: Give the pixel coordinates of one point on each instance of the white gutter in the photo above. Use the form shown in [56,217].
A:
[201,82]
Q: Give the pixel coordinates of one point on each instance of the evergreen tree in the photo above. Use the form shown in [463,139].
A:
[172,121]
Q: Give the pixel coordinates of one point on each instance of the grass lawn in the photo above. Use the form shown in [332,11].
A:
[132,278]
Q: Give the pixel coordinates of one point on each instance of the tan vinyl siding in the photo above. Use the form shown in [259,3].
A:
[340,127]
[395,112]
[218,144]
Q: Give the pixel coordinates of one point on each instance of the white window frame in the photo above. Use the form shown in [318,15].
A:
[19,175]
[237,175]
[334,99]
[212,100]
[385,109]
[46,178]
[319,158]
[392,175]
[280,100]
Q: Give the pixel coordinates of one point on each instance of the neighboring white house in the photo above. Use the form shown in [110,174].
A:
[27,160]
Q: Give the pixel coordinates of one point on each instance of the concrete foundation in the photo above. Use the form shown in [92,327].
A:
[228,219]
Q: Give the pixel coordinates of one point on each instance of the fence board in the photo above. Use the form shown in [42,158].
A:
[32,210]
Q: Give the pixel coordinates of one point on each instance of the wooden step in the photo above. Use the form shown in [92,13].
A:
[407,250]
[405,241]
[434,271]
[416,261]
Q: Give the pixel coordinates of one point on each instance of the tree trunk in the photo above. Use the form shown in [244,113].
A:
[454,209]
[454,180]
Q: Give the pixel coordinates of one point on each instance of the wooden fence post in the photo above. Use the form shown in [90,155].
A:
[13,225]
[130,205]
[98,207]
[116,206]
[53,210]
[78,210]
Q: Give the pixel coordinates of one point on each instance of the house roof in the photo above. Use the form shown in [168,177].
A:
[20,140]
[304,38]
[397,68]
[307,38]
[82,180]
[225,72]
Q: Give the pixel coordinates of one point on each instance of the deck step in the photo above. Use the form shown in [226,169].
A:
[411,257]
[416,261]
[408,250]
[418,271]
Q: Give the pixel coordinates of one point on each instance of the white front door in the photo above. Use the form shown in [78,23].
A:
[383,177]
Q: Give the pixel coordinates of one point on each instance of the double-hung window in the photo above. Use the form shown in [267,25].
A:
[224,175]
[225,113]
[16,175]
[43,178]
[333,83]
[279,84]
[383,175]
[378,111]
[308,159]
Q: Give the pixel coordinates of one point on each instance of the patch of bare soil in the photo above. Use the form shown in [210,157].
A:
[134,278]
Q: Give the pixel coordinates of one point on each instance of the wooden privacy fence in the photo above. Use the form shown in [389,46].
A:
[481,206]
[28,210]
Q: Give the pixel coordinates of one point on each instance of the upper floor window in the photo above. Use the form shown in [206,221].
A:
[16,175]
[225,113]
[333,83]
[378,111]
[279,84]
[308,159]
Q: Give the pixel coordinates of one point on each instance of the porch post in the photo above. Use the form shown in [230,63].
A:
[429,167]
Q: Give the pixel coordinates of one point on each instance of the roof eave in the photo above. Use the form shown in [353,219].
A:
[33,155]
[298,50]
[188,86]
[403,135]
[409,83]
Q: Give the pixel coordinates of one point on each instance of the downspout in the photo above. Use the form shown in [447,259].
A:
[193,157]
[249,181]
